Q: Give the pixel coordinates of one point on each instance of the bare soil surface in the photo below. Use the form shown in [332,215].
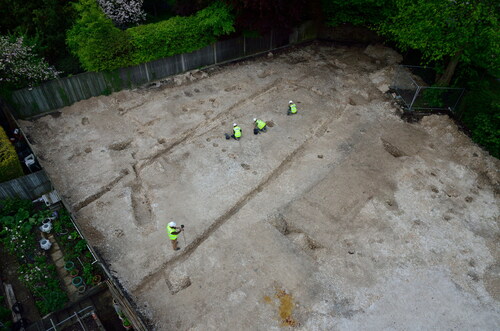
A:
[341,217]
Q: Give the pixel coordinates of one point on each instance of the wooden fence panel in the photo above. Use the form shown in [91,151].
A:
[30,187]
[200,58]
[63,92]
[258,44]
[227,50]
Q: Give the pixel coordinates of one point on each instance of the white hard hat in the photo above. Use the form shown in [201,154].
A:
[290,101]
[254,119]
[172,224]
[234,124]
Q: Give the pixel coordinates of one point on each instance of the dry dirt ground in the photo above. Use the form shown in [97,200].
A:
[342,217]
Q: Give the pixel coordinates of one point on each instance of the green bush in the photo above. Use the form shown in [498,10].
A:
[357,12]
[97,43]
[10,167]
[480,112]
[101,46]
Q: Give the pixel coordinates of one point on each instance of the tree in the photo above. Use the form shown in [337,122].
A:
[449,31]
[42,22]
[97,43]
[357,12]
[123,13]
[264,15]
[19,66]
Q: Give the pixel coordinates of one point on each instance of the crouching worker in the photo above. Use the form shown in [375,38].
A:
[173,232]
[236,133]
[260,126]
[292,108]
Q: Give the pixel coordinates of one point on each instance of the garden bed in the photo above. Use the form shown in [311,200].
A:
[32,235]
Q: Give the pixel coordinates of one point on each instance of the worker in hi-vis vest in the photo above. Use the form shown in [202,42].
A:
[173,232]
[260,126]
[292,108]
[236,132]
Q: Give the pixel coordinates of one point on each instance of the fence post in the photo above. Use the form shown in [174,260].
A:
[244,46]
[182,63]
[147,71]
[215,52]
[458,100]
[414,98]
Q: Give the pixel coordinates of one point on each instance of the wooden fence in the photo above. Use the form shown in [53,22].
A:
[30,187]
[63,92]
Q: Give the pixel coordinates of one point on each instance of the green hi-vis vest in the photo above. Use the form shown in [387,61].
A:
[293,108]
[170,233]
[261,124]
[237,131]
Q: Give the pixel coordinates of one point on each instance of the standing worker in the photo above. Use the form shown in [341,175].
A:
[260,126]
[236,132]
[173,232]
[292,108]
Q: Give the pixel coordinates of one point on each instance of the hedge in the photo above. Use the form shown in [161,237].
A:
[10,167]
[101,46]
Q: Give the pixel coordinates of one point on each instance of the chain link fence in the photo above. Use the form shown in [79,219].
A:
[411,85]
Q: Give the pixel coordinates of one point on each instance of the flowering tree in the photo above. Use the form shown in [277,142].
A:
[19,66]
[123,12]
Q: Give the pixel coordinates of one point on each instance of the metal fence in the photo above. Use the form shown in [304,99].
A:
[63,92]
[28,187]
[411,87]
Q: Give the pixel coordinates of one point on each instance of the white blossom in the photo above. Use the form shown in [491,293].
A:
[123,12]
[19,65]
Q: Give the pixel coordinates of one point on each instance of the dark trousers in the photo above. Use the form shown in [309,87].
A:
[257,130]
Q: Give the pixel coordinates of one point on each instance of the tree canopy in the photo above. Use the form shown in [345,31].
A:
[19,66]
[452,31]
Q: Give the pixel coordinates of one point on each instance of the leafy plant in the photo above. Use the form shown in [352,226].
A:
[10,167]
[20,66]
[357,12]
[5,316]
[41,278]
[88,273]
[18,236]
[10,206]
[101,46]
[450,32]
[80,246]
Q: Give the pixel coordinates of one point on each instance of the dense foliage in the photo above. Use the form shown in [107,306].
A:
[96,41]
[123,12]
[101,46]
[18,220]
[180,34]
[357,12]
[19,66]
[264,15]
[10,167]
[480,109]
[19,236]
[43,24]
[450,31]
[5,316]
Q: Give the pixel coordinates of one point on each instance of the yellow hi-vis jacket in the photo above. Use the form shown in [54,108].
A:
[261,124]
[237,132]
[293,108]
[170,232]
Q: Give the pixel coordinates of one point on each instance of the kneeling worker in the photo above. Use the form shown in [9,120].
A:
[292,108]
[173,232]
[236,132]
[260,126]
